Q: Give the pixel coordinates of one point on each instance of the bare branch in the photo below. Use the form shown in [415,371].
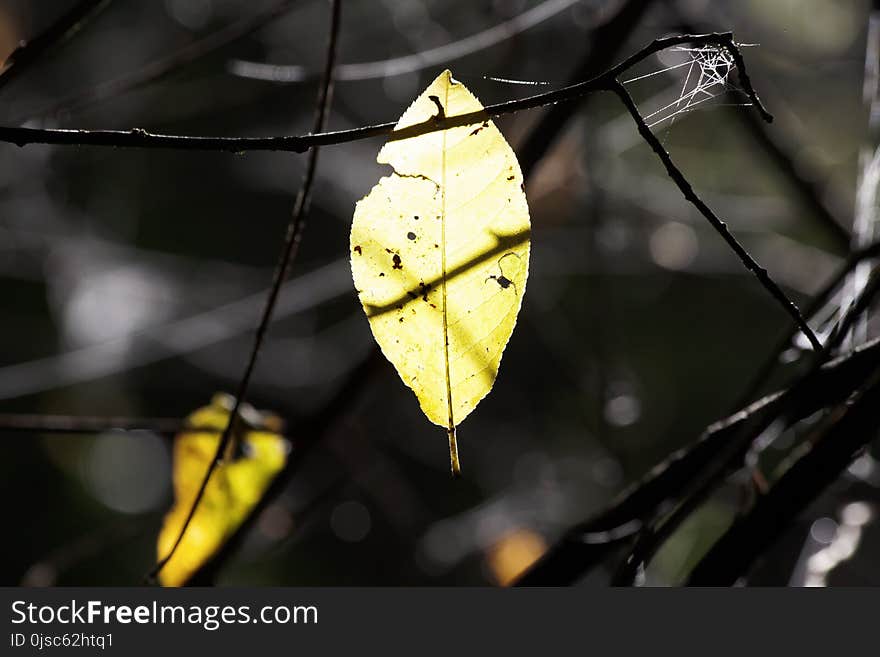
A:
[733,554]
[137,138]
[305,437]
[816,304]
[685,187]
[291,245]
[584,545]
[731,456]
[81,424]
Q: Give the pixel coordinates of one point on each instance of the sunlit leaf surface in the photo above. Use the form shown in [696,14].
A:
[440,254]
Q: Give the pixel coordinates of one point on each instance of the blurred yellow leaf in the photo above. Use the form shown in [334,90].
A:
[440,254]
[255,456]
[513,554]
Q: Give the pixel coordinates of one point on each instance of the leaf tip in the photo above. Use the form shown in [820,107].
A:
[446,77]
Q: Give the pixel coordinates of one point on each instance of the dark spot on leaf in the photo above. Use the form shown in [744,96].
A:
[425,288]
[436,246]
[416,217]
[381,273]
[388,251]
[410,235]
[400,320]
[433,306]
[397,262]
[441,113]
[510,177]
[357,249]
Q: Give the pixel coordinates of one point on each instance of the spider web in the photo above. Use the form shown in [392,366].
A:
[704,74]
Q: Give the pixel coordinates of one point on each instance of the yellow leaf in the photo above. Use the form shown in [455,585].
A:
[440,255]
[236,485]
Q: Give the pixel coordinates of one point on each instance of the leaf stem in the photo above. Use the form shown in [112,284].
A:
[453,453]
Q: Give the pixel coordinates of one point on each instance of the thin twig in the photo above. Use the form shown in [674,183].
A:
[31,50]
[348,392]
[732,555]
[305,436]
[819,300]
[685,187]
[605,82]
[804,182]
[294,234]
[85,425]
[81,424]
[137,138]
[604,42]
[730,457]
[585,544]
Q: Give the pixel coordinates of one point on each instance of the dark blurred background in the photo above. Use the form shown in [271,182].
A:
[132,280]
